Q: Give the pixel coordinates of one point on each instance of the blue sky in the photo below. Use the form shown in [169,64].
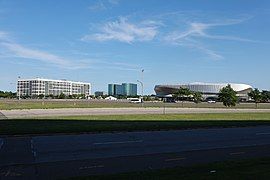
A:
[110,41]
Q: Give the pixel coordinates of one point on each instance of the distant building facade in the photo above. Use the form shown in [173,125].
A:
[100,93]
[115,89]
[125,89]
[129,89]
[46,87]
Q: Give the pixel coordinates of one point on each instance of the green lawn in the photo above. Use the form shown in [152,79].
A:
[172,117]
[241,169]
[43,104]
[109,123]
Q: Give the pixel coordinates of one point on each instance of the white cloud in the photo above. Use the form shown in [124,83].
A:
[3,35]
[123,31]
[103,5]
[9,48]
[198,30]
[24,52]
[115,2]
[97,6]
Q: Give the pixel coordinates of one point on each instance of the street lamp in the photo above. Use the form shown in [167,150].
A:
[19,89]
[141,82]
[142,90]
[141,86]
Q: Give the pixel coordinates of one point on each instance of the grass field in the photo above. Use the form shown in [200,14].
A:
[48,104]
[172,117]
[110,123]
[241,169]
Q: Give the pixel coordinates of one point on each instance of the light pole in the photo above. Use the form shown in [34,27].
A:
[142,89]
[141,86]
[19,89]
[141,82]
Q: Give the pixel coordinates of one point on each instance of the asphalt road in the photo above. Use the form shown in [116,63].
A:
[62,156]
[31,113]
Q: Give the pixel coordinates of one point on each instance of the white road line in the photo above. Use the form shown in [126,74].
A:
[1,144]
[233,146]
[32,144]
[34,153]
[91,167]
[32,148]
[266,133]
[237,153]
[117,142]
[8,173]
[176,159]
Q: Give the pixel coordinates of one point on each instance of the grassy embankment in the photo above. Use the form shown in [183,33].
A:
[109,123]
[241,169]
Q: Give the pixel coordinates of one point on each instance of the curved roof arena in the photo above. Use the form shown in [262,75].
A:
[205,88]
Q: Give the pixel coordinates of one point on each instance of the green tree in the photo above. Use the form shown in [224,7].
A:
[256,95]
[62,96]
[228,96]
[41,96]
[7,94]
[181,94]
[197,97]
[265,96]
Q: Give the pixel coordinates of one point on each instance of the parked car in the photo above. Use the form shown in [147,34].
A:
[211,101]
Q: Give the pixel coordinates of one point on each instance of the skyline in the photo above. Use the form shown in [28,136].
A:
[111,41]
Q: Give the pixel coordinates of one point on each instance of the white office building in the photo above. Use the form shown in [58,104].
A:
[39,86]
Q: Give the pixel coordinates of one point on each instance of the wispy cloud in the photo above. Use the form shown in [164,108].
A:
[24,52]
[114,1]
[98,6]
[3,35]
[199,30]
[124,31]
[102,5]
[12,49]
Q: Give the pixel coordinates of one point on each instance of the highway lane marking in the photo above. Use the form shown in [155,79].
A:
[32,148]
[117,142]
[266,133]
[11,174]
[237,153]
[8,173]
[34,153]
[91,167]
[1,145]
[176,159]
[32,144]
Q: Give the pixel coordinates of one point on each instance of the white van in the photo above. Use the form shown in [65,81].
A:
[135,100]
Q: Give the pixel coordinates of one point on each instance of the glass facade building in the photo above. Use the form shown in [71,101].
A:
[115,89]
[129,89]
[126,89]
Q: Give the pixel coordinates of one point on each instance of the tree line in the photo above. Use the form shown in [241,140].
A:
[51,96]
[7,94]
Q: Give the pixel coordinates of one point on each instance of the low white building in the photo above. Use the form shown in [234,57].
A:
[111,98]
[46,87]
